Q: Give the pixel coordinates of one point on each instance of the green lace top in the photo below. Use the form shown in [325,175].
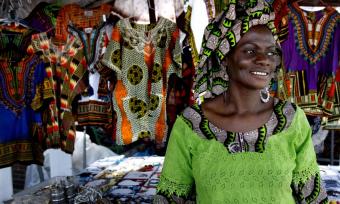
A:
[274,164]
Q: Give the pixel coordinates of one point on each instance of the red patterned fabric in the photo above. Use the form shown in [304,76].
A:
[78,17]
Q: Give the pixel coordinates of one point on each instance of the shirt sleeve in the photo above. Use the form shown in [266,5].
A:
[112,58]
[176,177]
[306,185]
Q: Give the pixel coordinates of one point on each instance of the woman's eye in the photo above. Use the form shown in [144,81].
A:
[273,53]
[250,51]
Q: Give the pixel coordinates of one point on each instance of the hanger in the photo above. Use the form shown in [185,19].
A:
[11,7]
[12,21]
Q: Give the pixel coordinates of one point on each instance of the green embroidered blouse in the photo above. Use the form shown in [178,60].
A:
[274,164]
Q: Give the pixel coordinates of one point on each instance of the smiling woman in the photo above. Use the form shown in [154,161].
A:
[255,57]
[240,145]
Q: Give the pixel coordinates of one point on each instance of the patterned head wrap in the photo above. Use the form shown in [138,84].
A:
[220,36]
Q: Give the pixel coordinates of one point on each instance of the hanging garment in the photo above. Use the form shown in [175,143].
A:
[66,68]
[143,57]
[281,18]
[180,90]
[20,124]
[333,121]
[88,26]
[21,96]
[94,108]
[311,57]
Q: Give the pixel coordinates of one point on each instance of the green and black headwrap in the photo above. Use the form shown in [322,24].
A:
[220,36]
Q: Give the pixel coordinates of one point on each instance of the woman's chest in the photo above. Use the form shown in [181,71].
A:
[215,168]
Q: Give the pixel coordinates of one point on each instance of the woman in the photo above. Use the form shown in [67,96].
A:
[240,145]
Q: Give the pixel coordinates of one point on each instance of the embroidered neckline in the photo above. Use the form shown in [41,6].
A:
[254,140]
[14,43]
[140,35]
[54,51]
[319,33]
[89,42]
[17,81]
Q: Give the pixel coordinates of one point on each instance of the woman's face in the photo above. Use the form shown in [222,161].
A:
[253,61]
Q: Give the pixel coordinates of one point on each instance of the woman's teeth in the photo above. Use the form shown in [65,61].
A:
[260,73]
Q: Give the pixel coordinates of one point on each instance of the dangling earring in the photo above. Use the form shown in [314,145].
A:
[264,94]
[225,75]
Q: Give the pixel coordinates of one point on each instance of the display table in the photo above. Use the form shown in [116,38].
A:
[120,179]
[127,180]
[113,179]
[331,178]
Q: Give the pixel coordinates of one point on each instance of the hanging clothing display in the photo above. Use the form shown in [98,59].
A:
[66,68]
[311,57]
[95,108]
[88,26]
[281,18]
[21,96]
[143,57]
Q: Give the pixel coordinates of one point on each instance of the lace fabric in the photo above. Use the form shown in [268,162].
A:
[304,175]
[244,177]
[170,187]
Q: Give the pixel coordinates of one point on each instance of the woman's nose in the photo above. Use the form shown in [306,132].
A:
[262,58]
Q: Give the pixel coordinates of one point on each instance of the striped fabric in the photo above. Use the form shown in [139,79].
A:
[66,67]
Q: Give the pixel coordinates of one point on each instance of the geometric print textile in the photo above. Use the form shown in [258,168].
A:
[143,58]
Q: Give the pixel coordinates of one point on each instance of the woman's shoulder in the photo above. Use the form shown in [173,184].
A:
[282,118]
[192,112]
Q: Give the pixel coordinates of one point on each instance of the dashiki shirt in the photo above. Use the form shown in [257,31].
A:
[143,58]
[21,79]
[88,27]
[93,108]
[275,163]
[65,69]
[311,58]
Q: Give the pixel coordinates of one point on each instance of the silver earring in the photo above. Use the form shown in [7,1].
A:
[264,94]
[225,76]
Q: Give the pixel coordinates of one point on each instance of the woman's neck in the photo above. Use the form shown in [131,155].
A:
[243,100]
